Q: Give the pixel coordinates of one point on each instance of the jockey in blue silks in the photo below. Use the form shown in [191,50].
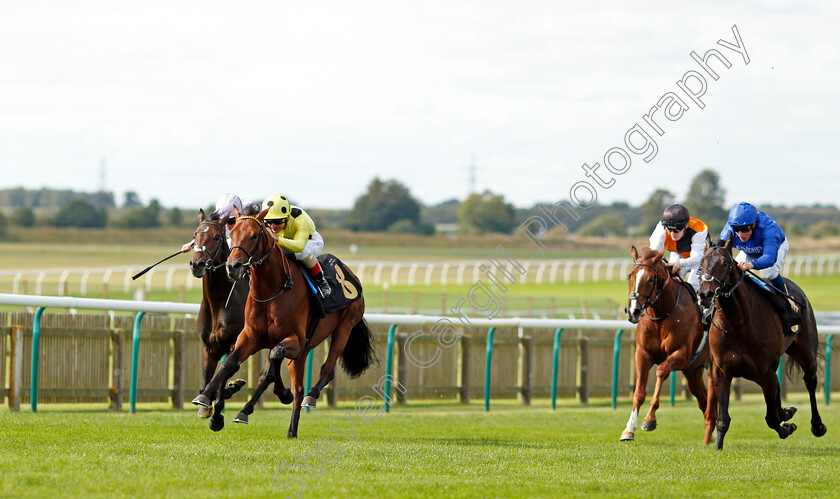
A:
[762,244]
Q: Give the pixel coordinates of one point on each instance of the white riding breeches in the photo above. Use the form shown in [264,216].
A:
[769,272]
[313,247]
[693,273]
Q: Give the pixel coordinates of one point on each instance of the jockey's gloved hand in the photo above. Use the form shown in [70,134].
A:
[674,267]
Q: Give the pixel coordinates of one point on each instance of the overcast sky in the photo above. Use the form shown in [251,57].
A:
[184,100]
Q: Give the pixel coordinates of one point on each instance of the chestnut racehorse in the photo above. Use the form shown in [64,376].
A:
[221,315]
[277,313]
[668,333]
[747,340]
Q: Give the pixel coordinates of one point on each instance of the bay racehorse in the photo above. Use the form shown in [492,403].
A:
[668,333]
[747,340]
[277,313]
[221,315]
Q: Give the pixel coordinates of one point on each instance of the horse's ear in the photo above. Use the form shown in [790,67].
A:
[261,215]
[634,253]
[658,257]
[728,245]
[236,213]
[201,215]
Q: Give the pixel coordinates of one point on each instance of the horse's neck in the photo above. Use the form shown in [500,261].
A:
[738,304]
[216,288]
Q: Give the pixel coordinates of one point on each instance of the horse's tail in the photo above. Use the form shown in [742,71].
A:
[358,353]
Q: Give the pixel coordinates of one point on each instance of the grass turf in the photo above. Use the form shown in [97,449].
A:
[419,450]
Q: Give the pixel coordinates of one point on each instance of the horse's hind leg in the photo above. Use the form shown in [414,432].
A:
[694,379]
[266,378]
[643,364]
[296,375]
[339,341]
[805,356]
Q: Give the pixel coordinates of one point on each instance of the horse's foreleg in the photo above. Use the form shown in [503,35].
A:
[772,398]
[711,414]
[643,364]
[266,378]
[228,368]
[723,383]
[209,361]
[296,375]
[662,372]
[275,358]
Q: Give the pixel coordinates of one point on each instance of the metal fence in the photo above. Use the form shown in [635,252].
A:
[64,357]
[174,277]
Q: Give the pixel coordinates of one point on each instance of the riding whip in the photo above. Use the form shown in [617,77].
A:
[150,267]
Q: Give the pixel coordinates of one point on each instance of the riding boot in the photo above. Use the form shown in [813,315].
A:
[318,276]
[789,309]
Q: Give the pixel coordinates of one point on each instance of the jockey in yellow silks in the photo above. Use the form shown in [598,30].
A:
[295,232]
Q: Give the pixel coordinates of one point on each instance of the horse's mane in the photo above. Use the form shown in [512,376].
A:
[647,254]
[251,209]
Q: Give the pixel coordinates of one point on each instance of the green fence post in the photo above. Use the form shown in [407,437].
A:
[389,366]
[36,353]
[827,386]
[554,368]
[616,351]
[673,386]
[135,353]
[487,368]
[308,382]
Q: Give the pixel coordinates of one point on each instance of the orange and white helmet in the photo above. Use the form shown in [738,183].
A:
[278,207]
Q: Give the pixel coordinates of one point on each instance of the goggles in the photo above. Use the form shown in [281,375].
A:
[742,228]
[275,221]
[672,227]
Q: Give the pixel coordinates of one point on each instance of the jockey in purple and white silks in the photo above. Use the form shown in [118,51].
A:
[224,208]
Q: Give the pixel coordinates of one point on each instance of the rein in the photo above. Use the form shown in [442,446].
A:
[725,294]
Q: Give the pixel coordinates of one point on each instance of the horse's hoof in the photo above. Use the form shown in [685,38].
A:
[789,412]
[819,430]
[627,436]
[286,397]
[202,400]
[308,401]
[648,424]
[788,428]
[204,412]
[217,423]
[238,384]
[241,418]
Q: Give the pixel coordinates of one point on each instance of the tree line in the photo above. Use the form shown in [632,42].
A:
[388,206]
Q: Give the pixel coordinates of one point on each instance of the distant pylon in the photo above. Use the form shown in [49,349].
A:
[102,175]
[472,174]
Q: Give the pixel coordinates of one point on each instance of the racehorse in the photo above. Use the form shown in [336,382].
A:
[747,339]
[221,315]
[668,333]
[277,312]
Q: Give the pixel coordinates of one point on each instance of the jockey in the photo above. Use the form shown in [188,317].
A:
[762,244]
[295,231]
[685,237]
[224,208]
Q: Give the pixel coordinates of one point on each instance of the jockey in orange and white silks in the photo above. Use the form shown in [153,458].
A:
[685,237]
[295,231]
[224,209]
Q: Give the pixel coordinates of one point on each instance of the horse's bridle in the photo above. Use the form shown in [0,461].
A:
[722,284]
[220,243]
[263,236]
[718,293]
[251,262]
[649,302]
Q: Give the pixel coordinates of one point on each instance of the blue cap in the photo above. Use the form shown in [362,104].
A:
[743,214]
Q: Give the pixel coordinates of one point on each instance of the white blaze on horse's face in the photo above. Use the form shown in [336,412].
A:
[634,303]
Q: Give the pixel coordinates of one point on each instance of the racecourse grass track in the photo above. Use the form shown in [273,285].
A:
[418,450]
